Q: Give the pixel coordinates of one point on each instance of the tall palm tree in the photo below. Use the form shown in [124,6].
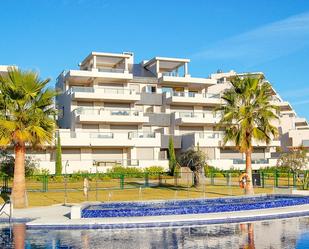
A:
[247,116]
[26,120]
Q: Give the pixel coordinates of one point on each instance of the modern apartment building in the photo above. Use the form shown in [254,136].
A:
[115,111]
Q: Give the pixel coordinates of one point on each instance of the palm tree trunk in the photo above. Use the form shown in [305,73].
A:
[19,182]
[196,178]
[19,236]
[249,186]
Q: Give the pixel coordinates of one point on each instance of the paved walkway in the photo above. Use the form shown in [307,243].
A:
[59,215]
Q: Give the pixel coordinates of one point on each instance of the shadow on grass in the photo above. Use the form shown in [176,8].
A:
[5,196]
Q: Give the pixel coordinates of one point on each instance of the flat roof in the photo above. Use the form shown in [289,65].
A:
[167,62]
[111,58]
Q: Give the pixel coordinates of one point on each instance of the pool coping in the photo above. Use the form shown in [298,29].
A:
[169,220]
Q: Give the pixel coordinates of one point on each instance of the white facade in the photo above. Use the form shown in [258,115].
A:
[114,111]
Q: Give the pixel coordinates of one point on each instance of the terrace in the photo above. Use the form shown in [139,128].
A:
[111,116]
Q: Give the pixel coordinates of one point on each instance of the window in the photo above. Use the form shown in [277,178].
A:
[150,89]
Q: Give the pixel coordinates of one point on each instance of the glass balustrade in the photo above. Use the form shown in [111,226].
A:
[101,111]
[102,89]
[141,135]
[110,70]
[253,161]
[198,114]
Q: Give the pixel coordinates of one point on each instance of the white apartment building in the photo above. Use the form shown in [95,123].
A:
[115,111]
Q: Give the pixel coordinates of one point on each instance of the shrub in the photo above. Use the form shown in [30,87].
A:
[7,162]
[154,170]
[120,170]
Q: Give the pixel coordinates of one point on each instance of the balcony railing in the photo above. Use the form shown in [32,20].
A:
[141,135]
[199,114]
[102,90]
[101,135]
[116,90]
[210,135]
[114,162]
[195,94]
[110,70]
[253,161]
[81,89]
[305,143]
[212,95]
[101,111]
[94,134]
[172,74]
[124,113]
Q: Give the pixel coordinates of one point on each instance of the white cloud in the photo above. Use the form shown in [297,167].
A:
[262,44]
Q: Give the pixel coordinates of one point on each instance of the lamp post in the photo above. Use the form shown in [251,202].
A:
[65,183]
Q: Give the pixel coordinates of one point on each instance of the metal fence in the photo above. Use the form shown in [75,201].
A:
[103,181]
[43,189]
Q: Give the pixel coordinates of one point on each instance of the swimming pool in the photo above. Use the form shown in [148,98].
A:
[277,234]
[199,206]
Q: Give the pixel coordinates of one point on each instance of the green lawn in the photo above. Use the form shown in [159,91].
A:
[154,193]
[109,189]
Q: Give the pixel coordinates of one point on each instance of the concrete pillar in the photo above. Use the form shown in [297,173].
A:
[186,70]
[94,66]
[217,153]
[126,65]
[156,152]
[133,153]
[158,68]
[66,84]
[124,157]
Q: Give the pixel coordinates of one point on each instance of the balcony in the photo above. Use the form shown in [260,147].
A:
[202,139]
[169,78]
[102,93]
[109,139]
[253,161]
[208,138]
[101,139]
[191,98]
[106,66]
[101,115]
[197,118]
[273,143]
[298,137]
[145,139]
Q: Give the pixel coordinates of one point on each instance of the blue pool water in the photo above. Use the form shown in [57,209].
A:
[276,234]
[129,209]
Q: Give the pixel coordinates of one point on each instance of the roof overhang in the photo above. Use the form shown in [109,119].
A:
[167,63]
[106,58]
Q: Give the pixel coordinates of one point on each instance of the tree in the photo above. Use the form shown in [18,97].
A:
[195,160]
[295,160]
[247,115]
[26,120]
[172,158]
[58,163]
[7,162]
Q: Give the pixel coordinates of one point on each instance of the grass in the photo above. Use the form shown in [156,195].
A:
[154,193]
[134,190]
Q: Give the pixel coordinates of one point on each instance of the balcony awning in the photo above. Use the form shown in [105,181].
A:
[166,64]
[106,59]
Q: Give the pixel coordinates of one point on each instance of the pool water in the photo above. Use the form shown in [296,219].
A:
[199,206]
[281,233]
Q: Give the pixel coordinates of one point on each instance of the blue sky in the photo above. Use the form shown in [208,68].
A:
[263,35]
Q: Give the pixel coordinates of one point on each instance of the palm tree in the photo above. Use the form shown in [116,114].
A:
[247,115]
[26,120]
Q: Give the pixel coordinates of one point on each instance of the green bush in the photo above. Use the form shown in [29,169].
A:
[7,162]
[154,170]
[116,171]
